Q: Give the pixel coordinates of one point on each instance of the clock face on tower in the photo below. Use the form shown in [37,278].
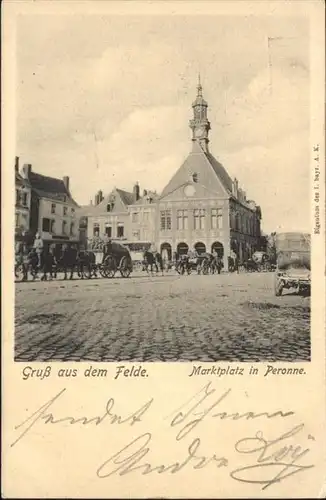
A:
[189,190]
[199,132]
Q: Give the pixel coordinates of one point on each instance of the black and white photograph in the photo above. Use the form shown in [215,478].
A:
[162,188]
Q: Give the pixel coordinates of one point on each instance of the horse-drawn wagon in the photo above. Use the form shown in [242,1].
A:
[116,257]
[203,263]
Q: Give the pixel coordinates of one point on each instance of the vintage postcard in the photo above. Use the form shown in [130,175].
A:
[163,249]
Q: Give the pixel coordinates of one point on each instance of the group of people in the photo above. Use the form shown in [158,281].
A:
[46,260]
[153,262]
[32,258]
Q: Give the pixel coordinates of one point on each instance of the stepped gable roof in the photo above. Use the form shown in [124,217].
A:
[49,187]
[209,171]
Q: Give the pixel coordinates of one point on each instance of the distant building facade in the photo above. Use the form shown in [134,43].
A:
[53,209]
[200,208]
[122,216]
[23,197]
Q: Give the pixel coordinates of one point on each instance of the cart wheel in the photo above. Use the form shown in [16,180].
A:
[125,267]
[125,273]
[279,288]
[109,273]
[101,270]
[109,267]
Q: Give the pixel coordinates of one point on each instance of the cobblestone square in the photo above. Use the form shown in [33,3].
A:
[171,318]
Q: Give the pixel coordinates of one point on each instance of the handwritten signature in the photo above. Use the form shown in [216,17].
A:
[271,458]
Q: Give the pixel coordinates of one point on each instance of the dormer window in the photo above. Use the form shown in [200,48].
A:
[109,207]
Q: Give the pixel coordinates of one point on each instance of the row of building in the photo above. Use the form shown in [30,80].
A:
[200,208]
[45,205]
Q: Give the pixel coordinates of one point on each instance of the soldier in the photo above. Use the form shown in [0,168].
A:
[38,245]
[25,261]
[82,259]
[33,262]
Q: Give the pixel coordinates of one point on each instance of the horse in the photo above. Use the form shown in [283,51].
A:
[86,261]
[204,263]
[183,265]
[159,262]
[68,260]
[49,264]
[233,264]
[149,261]
[250,266]
[216,265]
[91,262]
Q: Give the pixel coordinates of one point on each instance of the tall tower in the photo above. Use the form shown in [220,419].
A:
[200,125]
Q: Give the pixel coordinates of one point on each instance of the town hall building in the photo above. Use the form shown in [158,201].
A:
[201,207]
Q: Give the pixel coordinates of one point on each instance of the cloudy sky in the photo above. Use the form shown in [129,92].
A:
[107,99]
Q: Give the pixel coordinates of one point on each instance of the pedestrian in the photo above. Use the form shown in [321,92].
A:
[39,247]
[33,262]
[81,258]
[25,261]
[236,264]
[52,262]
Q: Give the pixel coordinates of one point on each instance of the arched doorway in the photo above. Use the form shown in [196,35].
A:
[182,249]
[200,247]
[166,251]
[218,247]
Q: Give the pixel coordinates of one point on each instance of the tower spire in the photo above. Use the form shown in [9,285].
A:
[199,124]
[199,87]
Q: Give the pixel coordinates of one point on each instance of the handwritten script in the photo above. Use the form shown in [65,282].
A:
[265,460]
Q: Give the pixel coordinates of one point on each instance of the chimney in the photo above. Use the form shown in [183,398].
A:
[136,191]
[17,164]
[66,182]
[96,199]
[100,196]
[27,168]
